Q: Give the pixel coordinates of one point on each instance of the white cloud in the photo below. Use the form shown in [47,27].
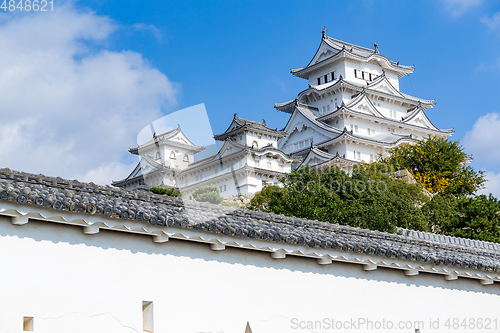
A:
[482,138]
[493,23]
[151,28]
[492,185]
[70,107]
[460,7]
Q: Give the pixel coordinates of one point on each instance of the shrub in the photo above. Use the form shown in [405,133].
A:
[208,193]
[171,192]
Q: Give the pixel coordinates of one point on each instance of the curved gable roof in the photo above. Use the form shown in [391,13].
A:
[338,49]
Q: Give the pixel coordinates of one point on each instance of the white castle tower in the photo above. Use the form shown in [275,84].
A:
[246,162]
[353,109]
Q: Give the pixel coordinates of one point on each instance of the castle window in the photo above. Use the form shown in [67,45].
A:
[369,131]
[157,155]
[220,188]
[186,158]
[147,316]
[28,324]
[370,76]
[326,78]
[224,188]
[372,158]
[172,155]
[333,76]
[255,145]
[319,81]
[363,75]
[355,73]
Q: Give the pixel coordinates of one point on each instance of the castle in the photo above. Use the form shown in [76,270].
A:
[88,258]
[351,112]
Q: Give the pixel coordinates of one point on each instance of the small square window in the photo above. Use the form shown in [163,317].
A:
[28,324]
[147,317]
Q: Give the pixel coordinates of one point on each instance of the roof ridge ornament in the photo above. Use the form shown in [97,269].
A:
[235,114]
[323,32]
[264,121]
[376,48]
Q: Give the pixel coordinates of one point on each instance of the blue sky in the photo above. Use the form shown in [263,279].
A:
[78,84]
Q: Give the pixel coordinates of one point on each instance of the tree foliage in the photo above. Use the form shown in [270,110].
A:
[369,198]
[475,218]
[439,164]
[208,193]
[172,192]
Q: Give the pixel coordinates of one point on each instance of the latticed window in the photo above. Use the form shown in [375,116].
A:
[172,155]
[186,158]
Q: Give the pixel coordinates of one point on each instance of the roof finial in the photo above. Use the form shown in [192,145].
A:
[235,115]
[324,31]
[376,47]
[263,121]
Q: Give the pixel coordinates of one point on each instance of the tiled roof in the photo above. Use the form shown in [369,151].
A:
[244,125]
[58,194]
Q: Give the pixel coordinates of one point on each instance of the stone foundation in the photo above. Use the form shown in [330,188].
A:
[238,199]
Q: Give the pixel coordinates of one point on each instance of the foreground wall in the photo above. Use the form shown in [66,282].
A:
[72,282]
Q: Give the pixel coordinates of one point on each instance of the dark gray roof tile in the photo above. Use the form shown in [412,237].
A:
[65,195]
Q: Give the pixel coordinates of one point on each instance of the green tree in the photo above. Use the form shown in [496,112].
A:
[369,198]
[439,164]
[475,218]
[172,192]
[208,193]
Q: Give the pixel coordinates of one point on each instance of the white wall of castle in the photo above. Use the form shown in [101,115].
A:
[346,67]
[71,282]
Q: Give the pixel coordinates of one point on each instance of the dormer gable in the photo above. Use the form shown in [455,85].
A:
[384,85]
[361,103]
[418,117]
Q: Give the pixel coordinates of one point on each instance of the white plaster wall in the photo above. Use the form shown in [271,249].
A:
[365,152]
[337,67]
[71,282]
[261,139]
